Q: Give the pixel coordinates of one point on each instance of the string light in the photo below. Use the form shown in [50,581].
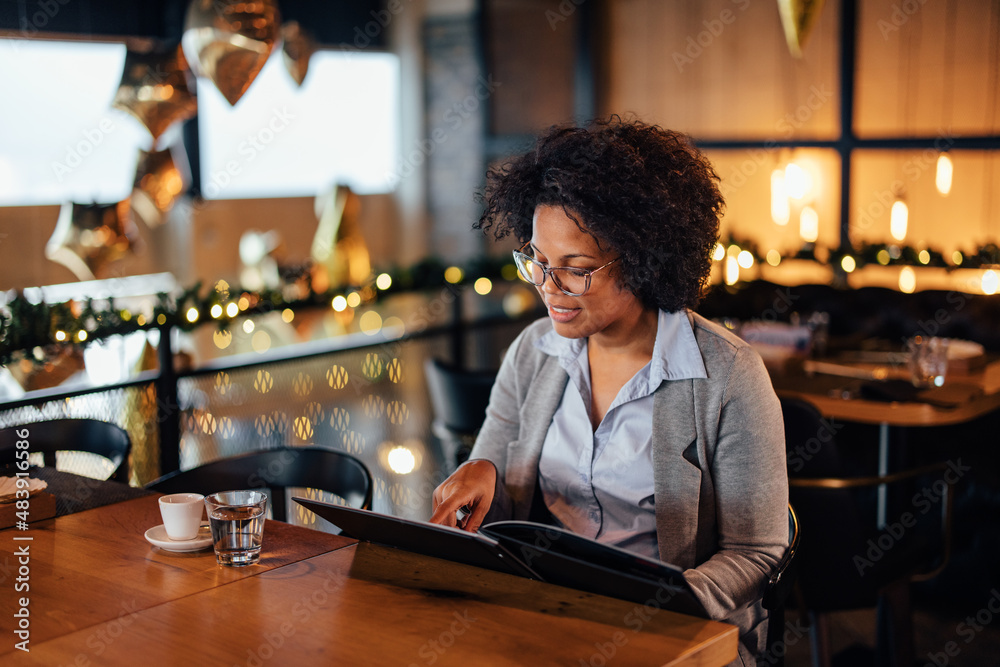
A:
[899,219]
[483,286]
[990,282]
[907,280]
[780,211]
[798,182]
[732,274]
[809,224]
[945,169]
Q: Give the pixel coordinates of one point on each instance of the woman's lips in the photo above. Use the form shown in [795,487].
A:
[562,314]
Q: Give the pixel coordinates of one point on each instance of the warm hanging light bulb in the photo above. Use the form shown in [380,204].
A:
[780,212]
[732,273]
[907,280]
[809,224]
[990,281]
[899,219]
[798,182]
[945,169]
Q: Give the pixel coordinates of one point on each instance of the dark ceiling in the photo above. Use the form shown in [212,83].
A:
[331,22]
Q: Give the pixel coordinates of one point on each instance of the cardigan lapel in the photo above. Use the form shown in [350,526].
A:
[676,477]
[537,410]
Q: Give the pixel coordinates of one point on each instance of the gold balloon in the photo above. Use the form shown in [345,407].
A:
[158,184]
[296,51]
[50,367]
[229,41]
[797,18]
[88,237]
[339,250]
[154,89]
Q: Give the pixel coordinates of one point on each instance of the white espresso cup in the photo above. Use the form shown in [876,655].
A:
[181,514]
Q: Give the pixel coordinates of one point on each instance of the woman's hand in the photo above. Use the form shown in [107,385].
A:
[470,487]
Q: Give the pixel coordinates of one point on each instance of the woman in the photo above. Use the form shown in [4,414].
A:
[623,415]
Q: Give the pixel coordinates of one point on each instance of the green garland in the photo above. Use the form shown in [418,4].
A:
[31,331]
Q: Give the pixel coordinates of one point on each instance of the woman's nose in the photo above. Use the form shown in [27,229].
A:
[549,286]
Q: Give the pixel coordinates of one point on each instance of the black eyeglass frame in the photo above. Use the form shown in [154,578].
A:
[547,271]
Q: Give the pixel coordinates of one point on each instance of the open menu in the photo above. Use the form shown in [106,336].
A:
[526,549]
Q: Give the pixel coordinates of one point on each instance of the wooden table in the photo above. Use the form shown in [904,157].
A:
[101,595]
[965,396]
[972,394]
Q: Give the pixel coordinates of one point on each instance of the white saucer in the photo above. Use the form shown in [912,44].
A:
[157,536]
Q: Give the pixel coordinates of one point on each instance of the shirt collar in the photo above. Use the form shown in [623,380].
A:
[676,355]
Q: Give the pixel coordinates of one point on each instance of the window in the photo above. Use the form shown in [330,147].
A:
[60,139]
[281,140]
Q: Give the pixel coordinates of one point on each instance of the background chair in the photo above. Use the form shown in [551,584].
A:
[459,399]
[846,560]
[776,591]
[72,435]
[319,468]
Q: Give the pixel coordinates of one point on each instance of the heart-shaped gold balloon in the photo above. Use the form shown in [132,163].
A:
[88,237]
[797,18]
[229,41]
[297,48]
[158,184]
[339,251]
[154,89]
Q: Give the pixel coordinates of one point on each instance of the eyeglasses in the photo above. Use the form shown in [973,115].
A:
[572,282]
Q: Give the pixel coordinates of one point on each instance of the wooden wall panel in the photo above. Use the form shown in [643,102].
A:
[720,69]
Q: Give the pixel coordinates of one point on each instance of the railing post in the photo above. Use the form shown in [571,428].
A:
[168,412]
[457,329]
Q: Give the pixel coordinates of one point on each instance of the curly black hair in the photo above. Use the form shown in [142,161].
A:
[642,190]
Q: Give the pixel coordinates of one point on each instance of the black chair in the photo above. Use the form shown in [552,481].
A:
[847,560]
[318,468]
[71,435]
[776,591]
[459,399]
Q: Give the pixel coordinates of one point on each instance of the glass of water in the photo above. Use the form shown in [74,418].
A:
[237,519]
[928,360]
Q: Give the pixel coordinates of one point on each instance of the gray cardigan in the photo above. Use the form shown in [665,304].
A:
[721,490]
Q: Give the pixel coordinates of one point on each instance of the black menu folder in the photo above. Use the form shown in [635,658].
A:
[526,549]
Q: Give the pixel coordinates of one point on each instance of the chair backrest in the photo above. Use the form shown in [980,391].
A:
[319,468]
[459,397]
[839,518]
[780,583]
[71,435]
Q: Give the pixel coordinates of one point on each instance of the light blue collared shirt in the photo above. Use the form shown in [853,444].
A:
[600,483]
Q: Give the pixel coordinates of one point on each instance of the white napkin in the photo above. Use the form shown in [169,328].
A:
[8,487]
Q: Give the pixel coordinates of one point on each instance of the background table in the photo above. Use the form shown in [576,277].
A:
[964,397]
[100,594]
